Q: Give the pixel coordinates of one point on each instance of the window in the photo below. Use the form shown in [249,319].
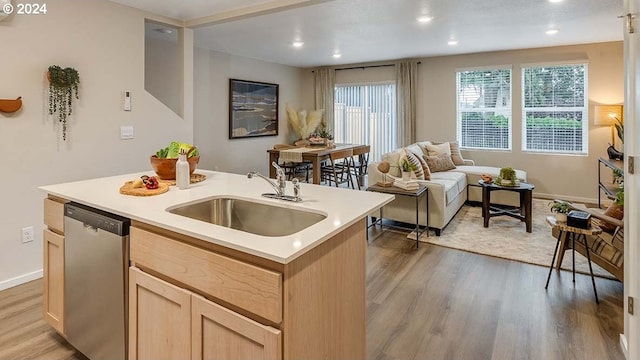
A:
[366,114]
[484,109]
[555,109]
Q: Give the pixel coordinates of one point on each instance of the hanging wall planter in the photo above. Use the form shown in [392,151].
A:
[63,87]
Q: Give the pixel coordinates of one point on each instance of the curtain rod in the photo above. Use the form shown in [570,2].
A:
[365,67]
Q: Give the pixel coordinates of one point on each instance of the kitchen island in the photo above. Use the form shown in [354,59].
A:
[199,290]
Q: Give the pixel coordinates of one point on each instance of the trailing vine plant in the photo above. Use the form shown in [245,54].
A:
[63,87]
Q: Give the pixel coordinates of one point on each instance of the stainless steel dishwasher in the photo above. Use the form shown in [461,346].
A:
[96,259]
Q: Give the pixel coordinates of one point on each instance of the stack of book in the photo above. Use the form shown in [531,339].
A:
[406,185]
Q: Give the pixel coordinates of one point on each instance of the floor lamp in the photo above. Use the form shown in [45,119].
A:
[608,115]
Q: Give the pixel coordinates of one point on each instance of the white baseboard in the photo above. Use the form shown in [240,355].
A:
[624,346]
[575,199]
[19,280]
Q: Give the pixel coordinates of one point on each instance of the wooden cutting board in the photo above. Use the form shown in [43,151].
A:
[128,189]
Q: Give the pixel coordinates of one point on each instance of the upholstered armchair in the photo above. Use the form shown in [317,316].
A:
[606,249]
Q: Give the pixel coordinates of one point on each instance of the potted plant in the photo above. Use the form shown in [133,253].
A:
[507,176]
[561,208]
[326,135]
[407,168]
[63,87]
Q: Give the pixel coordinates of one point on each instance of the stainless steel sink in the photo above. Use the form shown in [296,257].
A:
[249,216]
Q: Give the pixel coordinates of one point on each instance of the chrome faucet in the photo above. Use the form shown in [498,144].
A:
[279,185]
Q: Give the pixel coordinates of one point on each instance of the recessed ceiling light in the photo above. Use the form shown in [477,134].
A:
[164,31]
[424,19]
[297,44]
[551,31]
[337,56]
[452,42]
[555,1]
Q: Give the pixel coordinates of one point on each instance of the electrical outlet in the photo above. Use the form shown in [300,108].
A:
[27,234]
[126,132]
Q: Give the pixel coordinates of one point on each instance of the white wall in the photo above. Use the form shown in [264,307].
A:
[211,115]
[570,177]
[105,43]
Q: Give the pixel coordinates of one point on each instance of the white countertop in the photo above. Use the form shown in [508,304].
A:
[343,207]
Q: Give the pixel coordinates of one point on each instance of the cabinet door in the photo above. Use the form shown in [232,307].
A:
[53,272]
[219,333]
[159,319]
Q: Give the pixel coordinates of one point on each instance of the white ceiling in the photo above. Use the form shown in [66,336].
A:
[377,30]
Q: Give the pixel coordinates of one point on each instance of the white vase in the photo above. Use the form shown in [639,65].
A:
[406,176]
[561,217]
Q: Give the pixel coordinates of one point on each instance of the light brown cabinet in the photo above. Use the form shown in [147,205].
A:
[53,269]
[243,306]
[168,322]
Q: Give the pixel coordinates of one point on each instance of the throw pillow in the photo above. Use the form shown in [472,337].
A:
[456,156]
[443,148]
[615,211]
[417,151]
[418,173]
[440,162]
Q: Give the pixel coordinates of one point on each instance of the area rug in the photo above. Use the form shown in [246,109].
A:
[506,238]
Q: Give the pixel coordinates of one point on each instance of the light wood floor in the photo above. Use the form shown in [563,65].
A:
[430,303]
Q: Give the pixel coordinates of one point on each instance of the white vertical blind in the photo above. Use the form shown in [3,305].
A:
[484,108]
[366,114]
[555,109]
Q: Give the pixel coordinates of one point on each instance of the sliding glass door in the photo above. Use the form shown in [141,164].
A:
[366,114]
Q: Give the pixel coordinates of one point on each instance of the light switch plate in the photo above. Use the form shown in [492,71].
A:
[126,132]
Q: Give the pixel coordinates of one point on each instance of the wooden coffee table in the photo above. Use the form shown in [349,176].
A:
[522,213]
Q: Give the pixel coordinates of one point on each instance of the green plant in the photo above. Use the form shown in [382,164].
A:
[63,87]
[618,176]
[407,166]
[560,206]
[325,133]
[507,173]
[620,195]
[620,129]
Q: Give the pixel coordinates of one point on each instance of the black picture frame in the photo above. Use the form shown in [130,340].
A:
[253,109]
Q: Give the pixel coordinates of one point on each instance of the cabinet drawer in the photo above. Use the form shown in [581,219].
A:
[238,283]
[54,215]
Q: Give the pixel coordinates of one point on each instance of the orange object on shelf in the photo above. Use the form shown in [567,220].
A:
[10,106]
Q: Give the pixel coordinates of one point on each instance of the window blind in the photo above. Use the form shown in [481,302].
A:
[555,109]
[366,114]
[484,108]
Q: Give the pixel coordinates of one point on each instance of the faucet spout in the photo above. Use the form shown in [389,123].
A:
[275,186]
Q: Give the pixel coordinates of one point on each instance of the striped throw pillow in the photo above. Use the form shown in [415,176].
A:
[418,173]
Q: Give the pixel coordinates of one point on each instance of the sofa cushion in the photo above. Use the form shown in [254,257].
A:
[490,170]
[407,155]
[417,151]
[441,162]
[453,182]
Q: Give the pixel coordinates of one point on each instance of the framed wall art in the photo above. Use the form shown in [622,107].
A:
[253,109]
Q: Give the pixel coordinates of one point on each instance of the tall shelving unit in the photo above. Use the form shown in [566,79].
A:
[608,187]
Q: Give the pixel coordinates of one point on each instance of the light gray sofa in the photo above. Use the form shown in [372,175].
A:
[447,191]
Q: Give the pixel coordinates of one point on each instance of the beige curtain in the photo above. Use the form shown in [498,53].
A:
[406,88]
[325,81]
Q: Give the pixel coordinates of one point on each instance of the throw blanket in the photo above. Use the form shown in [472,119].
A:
[293,155]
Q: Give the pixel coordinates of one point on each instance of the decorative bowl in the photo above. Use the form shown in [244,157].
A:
[166,168]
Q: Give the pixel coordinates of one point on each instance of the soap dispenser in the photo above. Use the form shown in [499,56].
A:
[182,171]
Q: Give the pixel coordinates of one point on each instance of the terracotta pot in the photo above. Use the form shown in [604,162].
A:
[166,168]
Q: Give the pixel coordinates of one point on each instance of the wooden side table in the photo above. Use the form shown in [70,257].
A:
[574,234]
[422,190]
[522,213]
